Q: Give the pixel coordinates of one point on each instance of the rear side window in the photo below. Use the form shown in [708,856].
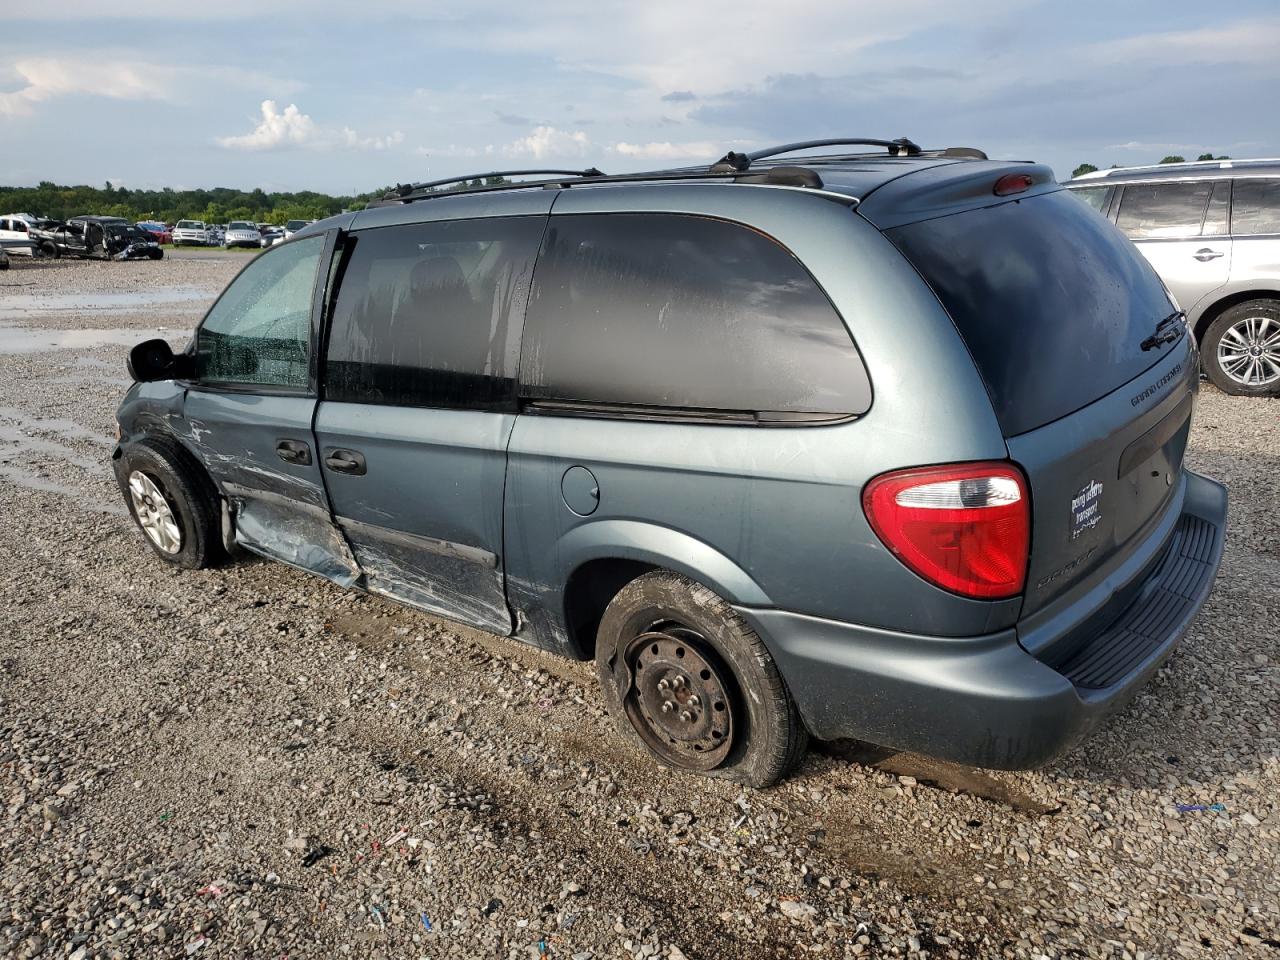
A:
[684,313]
[1215,218]
[1095,197]
[1255,208]
[428,314]
[1153,211]
[1051,300]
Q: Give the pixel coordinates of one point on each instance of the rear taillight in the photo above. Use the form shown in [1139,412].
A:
[964,527]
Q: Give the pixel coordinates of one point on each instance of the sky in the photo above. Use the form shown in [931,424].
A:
[347,97]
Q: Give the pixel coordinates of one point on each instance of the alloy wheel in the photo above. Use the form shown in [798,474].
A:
[155,516]
[1249,351]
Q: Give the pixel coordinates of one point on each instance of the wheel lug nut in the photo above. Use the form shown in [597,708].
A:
[695,701]
[663,684]
[687,717]
[678,682]
[667,706]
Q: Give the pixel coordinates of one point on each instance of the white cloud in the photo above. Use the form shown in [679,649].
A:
[353,140]
[548,142]
[665,150]
[43,78]
[1245,41]
[290,128]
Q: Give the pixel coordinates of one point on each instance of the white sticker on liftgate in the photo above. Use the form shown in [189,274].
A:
[1086,509]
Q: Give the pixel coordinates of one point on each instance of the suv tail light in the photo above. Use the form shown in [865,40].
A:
[963,527]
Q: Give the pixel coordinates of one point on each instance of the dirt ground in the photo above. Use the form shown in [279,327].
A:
[248,762]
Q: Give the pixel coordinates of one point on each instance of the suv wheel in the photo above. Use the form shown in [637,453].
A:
[688,681]
[1241,349]
[50,249]
[171,504]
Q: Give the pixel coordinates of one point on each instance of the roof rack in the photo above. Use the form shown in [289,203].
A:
[787,176]
[402,190]
[902,147]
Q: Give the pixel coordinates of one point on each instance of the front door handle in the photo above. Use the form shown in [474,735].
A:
[294,451]
[345,461]
[1204,254]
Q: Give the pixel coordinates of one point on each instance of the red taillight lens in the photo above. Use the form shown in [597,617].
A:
[1012,183]
[964,527]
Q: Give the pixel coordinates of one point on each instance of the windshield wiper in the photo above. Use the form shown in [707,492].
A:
[1167,330]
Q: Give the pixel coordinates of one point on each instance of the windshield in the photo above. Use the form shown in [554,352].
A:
[241,225]
[1051,299]
[295,224]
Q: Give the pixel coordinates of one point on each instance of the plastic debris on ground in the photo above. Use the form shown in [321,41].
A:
[1201,807]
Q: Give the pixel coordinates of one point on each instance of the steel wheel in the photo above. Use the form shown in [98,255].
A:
[681,698]
[1249,351]
[154,513]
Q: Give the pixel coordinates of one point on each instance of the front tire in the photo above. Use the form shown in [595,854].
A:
[172,502]
[688,681]
[50,250]
[1241,349]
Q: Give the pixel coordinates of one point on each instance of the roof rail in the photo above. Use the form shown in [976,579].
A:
[786,176]
[403,190]
[902,147]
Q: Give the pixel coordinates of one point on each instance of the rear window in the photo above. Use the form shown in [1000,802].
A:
[684,313]
[1255,208]
[1051,300]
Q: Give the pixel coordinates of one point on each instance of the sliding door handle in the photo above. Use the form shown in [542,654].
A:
[345,461]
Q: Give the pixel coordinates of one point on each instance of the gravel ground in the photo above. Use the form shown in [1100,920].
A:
[247,762]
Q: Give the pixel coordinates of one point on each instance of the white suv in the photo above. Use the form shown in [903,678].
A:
[15,232]
[191,233]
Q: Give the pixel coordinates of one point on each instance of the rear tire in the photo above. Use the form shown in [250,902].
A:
[689,682]
[156,477]
[1240,351]
[50,250]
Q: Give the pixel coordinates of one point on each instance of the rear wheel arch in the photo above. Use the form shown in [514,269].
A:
[1219,307]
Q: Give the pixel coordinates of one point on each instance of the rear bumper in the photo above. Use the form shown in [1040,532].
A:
[985,700]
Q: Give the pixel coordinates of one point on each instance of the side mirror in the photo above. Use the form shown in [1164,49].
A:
[154,360]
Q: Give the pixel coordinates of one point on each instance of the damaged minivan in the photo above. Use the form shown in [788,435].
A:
[879,443]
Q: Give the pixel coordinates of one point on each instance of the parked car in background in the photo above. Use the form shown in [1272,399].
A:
[886,444]
[1212,231]
[271,234]
[192,233]
[242,233]
[101,238]
[159,230]
[293,226]
[15,233]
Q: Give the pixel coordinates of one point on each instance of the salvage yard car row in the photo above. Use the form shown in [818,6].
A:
[104,237]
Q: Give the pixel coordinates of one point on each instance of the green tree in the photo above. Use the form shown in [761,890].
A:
[1083,168]
[1174,158]
[1210,156]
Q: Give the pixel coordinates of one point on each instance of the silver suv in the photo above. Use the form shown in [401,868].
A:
[1212,231]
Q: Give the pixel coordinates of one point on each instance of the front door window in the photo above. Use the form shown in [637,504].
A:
[259,331]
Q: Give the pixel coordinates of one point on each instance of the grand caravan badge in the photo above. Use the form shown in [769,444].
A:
[1086,509]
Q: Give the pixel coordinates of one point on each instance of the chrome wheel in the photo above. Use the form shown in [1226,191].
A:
[155,516]
[1249,351]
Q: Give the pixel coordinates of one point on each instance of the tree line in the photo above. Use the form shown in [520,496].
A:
[1172,158]
[218,205]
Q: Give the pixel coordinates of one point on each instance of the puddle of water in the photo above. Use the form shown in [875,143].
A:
[34,340]
[15,443]
[59,425]
[16,305]
[31,481]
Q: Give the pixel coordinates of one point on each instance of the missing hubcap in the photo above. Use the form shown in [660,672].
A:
[679,697]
